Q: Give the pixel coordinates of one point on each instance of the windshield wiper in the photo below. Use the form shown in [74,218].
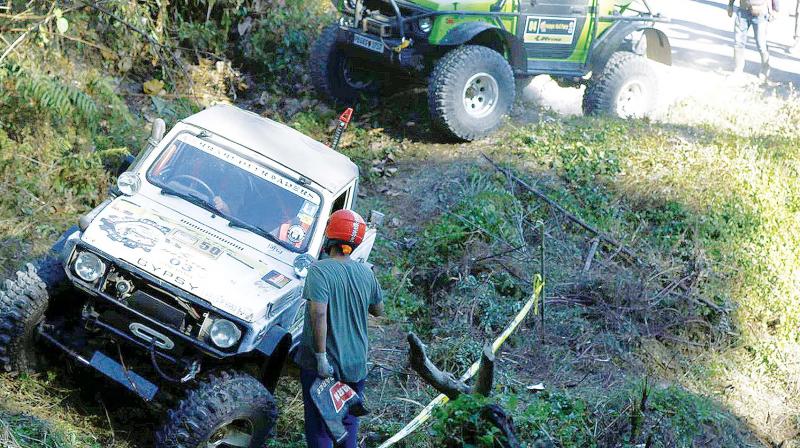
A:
[193,199]
[238,224]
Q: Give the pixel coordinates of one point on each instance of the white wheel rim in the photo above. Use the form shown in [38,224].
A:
[632,100]
[480,95]
[231,436]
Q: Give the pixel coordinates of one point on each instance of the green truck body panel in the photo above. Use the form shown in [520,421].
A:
[565,37]
[443,24]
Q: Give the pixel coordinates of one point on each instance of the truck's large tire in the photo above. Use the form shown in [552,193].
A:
[627,87]
[471,89]
[335,75]
[222,405]
[23,302]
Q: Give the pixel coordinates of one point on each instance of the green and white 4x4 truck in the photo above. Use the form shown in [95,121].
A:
[185,285]
[470,51]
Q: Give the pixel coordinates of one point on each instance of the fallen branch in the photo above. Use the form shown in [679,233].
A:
[443,382]
[602,236]
[447,384]
[483,385]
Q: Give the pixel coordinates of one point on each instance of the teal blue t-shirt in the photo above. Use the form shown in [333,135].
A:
[349,288]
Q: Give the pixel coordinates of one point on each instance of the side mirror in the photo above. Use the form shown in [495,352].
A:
[376,218]
[157,132]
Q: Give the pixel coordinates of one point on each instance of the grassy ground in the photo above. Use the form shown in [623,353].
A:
[686,338]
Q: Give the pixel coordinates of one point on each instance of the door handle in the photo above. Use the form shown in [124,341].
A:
[534,2]
[578,10]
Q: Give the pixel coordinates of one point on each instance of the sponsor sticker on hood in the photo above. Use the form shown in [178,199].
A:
[231,276]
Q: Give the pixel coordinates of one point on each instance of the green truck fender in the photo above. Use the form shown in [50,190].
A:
[658,46]
[494,37]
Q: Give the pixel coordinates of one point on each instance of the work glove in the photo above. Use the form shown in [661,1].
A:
[324,368]
[730,10]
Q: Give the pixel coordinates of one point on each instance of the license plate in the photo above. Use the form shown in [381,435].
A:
[369,44]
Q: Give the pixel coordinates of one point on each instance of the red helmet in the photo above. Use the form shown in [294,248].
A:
[347,228]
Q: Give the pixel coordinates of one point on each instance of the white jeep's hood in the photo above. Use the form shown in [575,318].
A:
[230,275]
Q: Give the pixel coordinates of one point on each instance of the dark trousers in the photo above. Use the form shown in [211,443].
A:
[745,21]
[316,434]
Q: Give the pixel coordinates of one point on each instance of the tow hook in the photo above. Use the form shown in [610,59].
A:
[193,371]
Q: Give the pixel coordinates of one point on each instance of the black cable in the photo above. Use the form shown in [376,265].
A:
[158,369]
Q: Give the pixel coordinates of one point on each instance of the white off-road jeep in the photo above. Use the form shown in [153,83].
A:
[185,285]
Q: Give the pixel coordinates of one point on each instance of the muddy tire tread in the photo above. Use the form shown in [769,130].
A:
[441,83]
[599,95]
[210,402]
[23,302]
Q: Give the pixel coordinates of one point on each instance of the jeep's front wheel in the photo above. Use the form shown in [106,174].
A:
[23,302]
[626,87]
[471,89]
[337,75]
[231,409]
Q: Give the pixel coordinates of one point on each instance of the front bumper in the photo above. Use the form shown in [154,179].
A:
[387,51]
[71,344]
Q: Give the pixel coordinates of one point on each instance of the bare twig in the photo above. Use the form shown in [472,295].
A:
[604,237]
[590,257]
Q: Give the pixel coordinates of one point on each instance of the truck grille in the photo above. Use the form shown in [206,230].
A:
[157,309]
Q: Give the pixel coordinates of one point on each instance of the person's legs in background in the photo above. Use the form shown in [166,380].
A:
[796,47]
[741,26]
[760,31]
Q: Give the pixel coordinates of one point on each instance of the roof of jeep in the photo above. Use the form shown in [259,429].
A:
[296,151]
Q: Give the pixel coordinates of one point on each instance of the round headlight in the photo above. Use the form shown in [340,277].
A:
[426,24]
[89,267]
[301,264]
[224,333]
[129,183]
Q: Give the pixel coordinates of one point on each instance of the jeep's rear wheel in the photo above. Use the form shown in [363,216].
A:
[231,409]
[23,302]
[337,75]
[625,88]
[471,89]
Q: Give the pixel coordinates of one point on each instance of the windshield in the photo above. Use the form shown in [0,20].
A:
[249,195]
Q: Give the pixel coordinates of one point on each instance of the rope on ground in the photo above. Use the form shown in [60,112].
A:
[425,414]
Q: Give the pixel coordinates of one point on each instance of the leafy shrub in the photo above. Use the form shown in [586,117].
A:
[484,216]
[279,42]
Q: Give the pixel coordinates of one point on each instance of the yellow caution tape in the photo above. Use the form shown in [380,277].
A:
[441,399]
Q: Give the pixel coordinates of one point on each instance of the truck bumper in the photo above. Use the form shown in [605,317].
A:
[387,52]
[99,361]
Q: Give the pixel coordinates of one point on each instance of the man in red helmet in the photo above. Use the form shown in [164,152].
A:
[340,293]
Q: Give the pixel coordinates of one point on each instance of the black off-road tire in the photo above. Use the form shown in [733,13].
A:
[216,401]
[606,88]
[449,81]
[23,302]
[327,66]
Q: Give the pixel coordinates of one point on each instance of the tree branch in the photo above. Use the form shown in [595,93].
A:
[444,382]
[483,385]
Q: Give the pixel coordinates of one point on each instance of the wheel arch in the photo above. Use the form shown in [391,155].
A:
[274,348]
[656,42]
[491,36]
